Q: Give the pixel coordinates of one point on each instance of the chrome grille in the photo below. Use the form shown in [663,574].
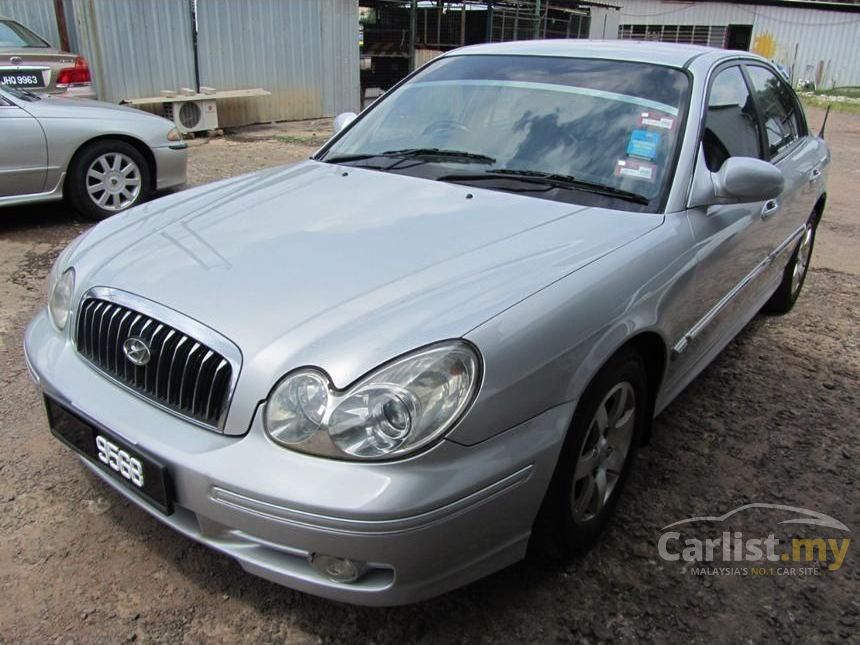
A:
[182,374]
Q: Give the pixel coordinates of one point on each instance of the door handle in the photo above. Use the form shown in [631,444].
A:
[769,208]
[814,175]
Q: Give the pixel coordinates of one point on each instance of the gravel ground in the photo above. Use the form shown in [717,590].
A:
[773,419]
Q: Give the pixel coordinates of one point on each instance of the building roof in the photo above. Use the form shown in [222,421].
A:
[670,54]
[821,5]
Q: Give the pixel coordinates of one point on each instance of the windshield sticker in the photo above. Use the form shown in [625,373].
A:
[655,120]
[643,144]
[636,170]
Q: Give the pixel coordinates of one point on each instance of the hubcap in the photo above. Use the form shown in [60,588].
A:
[801,264]
[113,181]
[604,452]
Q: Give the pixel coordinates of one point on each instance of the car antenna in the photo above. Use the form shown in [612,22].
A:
[824,125]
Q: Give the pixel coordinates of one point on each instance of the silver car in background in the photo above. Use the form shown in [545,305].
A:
[29,62]
[381,373]
[103,158]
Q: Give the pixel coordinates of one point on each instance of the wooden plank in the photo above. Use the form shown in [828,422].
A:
[183,98]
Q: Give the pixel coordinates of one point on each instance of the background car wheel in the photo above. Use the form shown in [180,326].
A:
[795,272]
[108,177]
[597,455]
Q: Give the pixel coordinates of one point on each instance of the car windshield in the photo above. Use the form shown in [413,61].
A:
[15,36]
[23,95]
[580,130]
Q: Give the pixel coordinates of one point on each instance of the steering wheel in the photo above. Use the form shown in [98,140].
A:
[446,125]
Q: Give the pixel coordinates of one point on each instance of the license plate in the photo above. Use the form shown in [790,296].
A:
[130,466]
[22,79]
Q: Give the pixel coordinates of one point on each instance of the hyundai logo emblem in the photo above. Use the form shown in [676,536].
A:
[16,60]
[136,351]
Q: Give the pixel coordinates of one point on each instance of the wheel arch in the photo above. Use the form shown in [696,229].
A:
[654,350]
[819,207]
[137,144]
[655,353]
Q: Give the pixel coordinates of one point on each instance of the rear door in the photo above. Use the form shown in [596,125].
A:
[790,147]
[23,151]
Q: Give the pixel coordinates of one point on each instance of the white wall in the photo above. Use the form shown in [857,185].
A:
[604,23]
[811,42]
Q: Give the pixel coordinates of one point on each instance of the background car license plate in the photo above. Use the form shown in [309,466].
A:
[23,79]
[129,466]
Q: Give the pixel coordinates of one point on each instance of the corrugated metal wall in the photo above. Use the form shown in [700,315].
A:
[303,51]
[340,40]
[810,42]
[135,47]
[38,15]
[300,50]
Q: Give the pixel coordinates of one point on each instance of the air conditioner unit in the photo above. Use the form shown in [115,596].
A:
[193,116]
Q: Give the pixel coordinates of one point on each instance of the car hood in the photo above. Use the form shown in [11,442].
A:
[342,267]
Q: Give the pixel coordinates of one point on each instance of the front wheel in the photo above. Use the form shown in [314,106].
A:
[106,178]
[596,457]
[795,272]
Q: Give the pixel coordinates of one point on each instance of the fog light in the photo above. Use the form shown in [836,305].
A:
[337,569]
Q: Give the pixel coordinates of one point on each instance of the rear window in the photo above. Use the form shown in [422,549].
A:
[15,36]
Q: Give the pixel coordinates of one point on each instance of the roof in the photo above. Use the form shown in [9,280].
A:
[659,53]
[821,5]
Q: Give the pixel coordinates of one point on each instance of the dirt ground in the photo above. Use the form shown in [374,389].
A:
[773,419]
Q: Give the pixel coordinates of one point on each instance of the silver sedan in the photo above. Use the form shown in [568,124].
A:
[381,373]
[103,158]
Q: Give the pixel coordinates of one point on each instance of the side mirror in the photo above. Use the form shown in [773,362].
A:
[343,120]
[740,180]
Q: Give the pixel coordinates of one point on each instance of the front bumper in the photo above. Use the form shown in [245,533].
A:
[424,525]
[171,164]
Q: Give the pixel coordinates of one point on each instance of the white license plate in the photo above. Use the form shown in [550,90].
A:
[120,461]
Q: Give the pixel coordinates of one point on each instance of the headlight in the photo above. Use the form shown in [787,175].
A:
[393,411]
[174,135]
[60,299]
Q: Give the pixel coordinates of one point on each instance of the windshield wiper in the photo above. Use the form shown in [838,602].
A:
[407,153]
[551,180]
[414,153]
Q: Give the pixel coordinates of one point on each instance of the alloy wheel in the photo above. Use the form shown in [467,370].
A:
[604,452]
[801,264]
[113,181]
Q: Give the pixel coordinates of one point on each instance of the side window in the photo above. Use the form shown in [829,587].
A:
[731,126]
[780,114]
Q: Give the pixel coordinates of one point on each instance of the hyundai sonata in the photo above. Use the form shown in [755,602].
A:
[381,373]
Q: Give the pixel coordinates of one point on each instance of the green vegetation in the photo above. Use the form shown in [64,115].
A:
[300,141]
[822,101]
[851,92]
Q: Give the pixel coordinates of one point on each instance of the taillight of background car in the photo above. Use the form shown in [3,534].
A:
[75,76]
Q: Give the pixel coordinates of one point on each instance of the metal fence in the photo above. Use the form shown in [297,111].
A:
[305,52]
[135,48]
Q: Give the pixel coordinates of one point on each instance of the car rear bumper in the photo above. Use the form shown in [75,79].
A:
[171,164]
[423,525]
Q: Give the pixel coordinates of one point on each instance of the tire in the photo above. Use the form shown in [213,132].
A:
[794,275]
[571,519]
[106,178]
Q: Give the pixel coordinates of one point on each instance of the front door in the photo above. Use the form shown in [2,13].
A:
[732,241]
[23,152]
